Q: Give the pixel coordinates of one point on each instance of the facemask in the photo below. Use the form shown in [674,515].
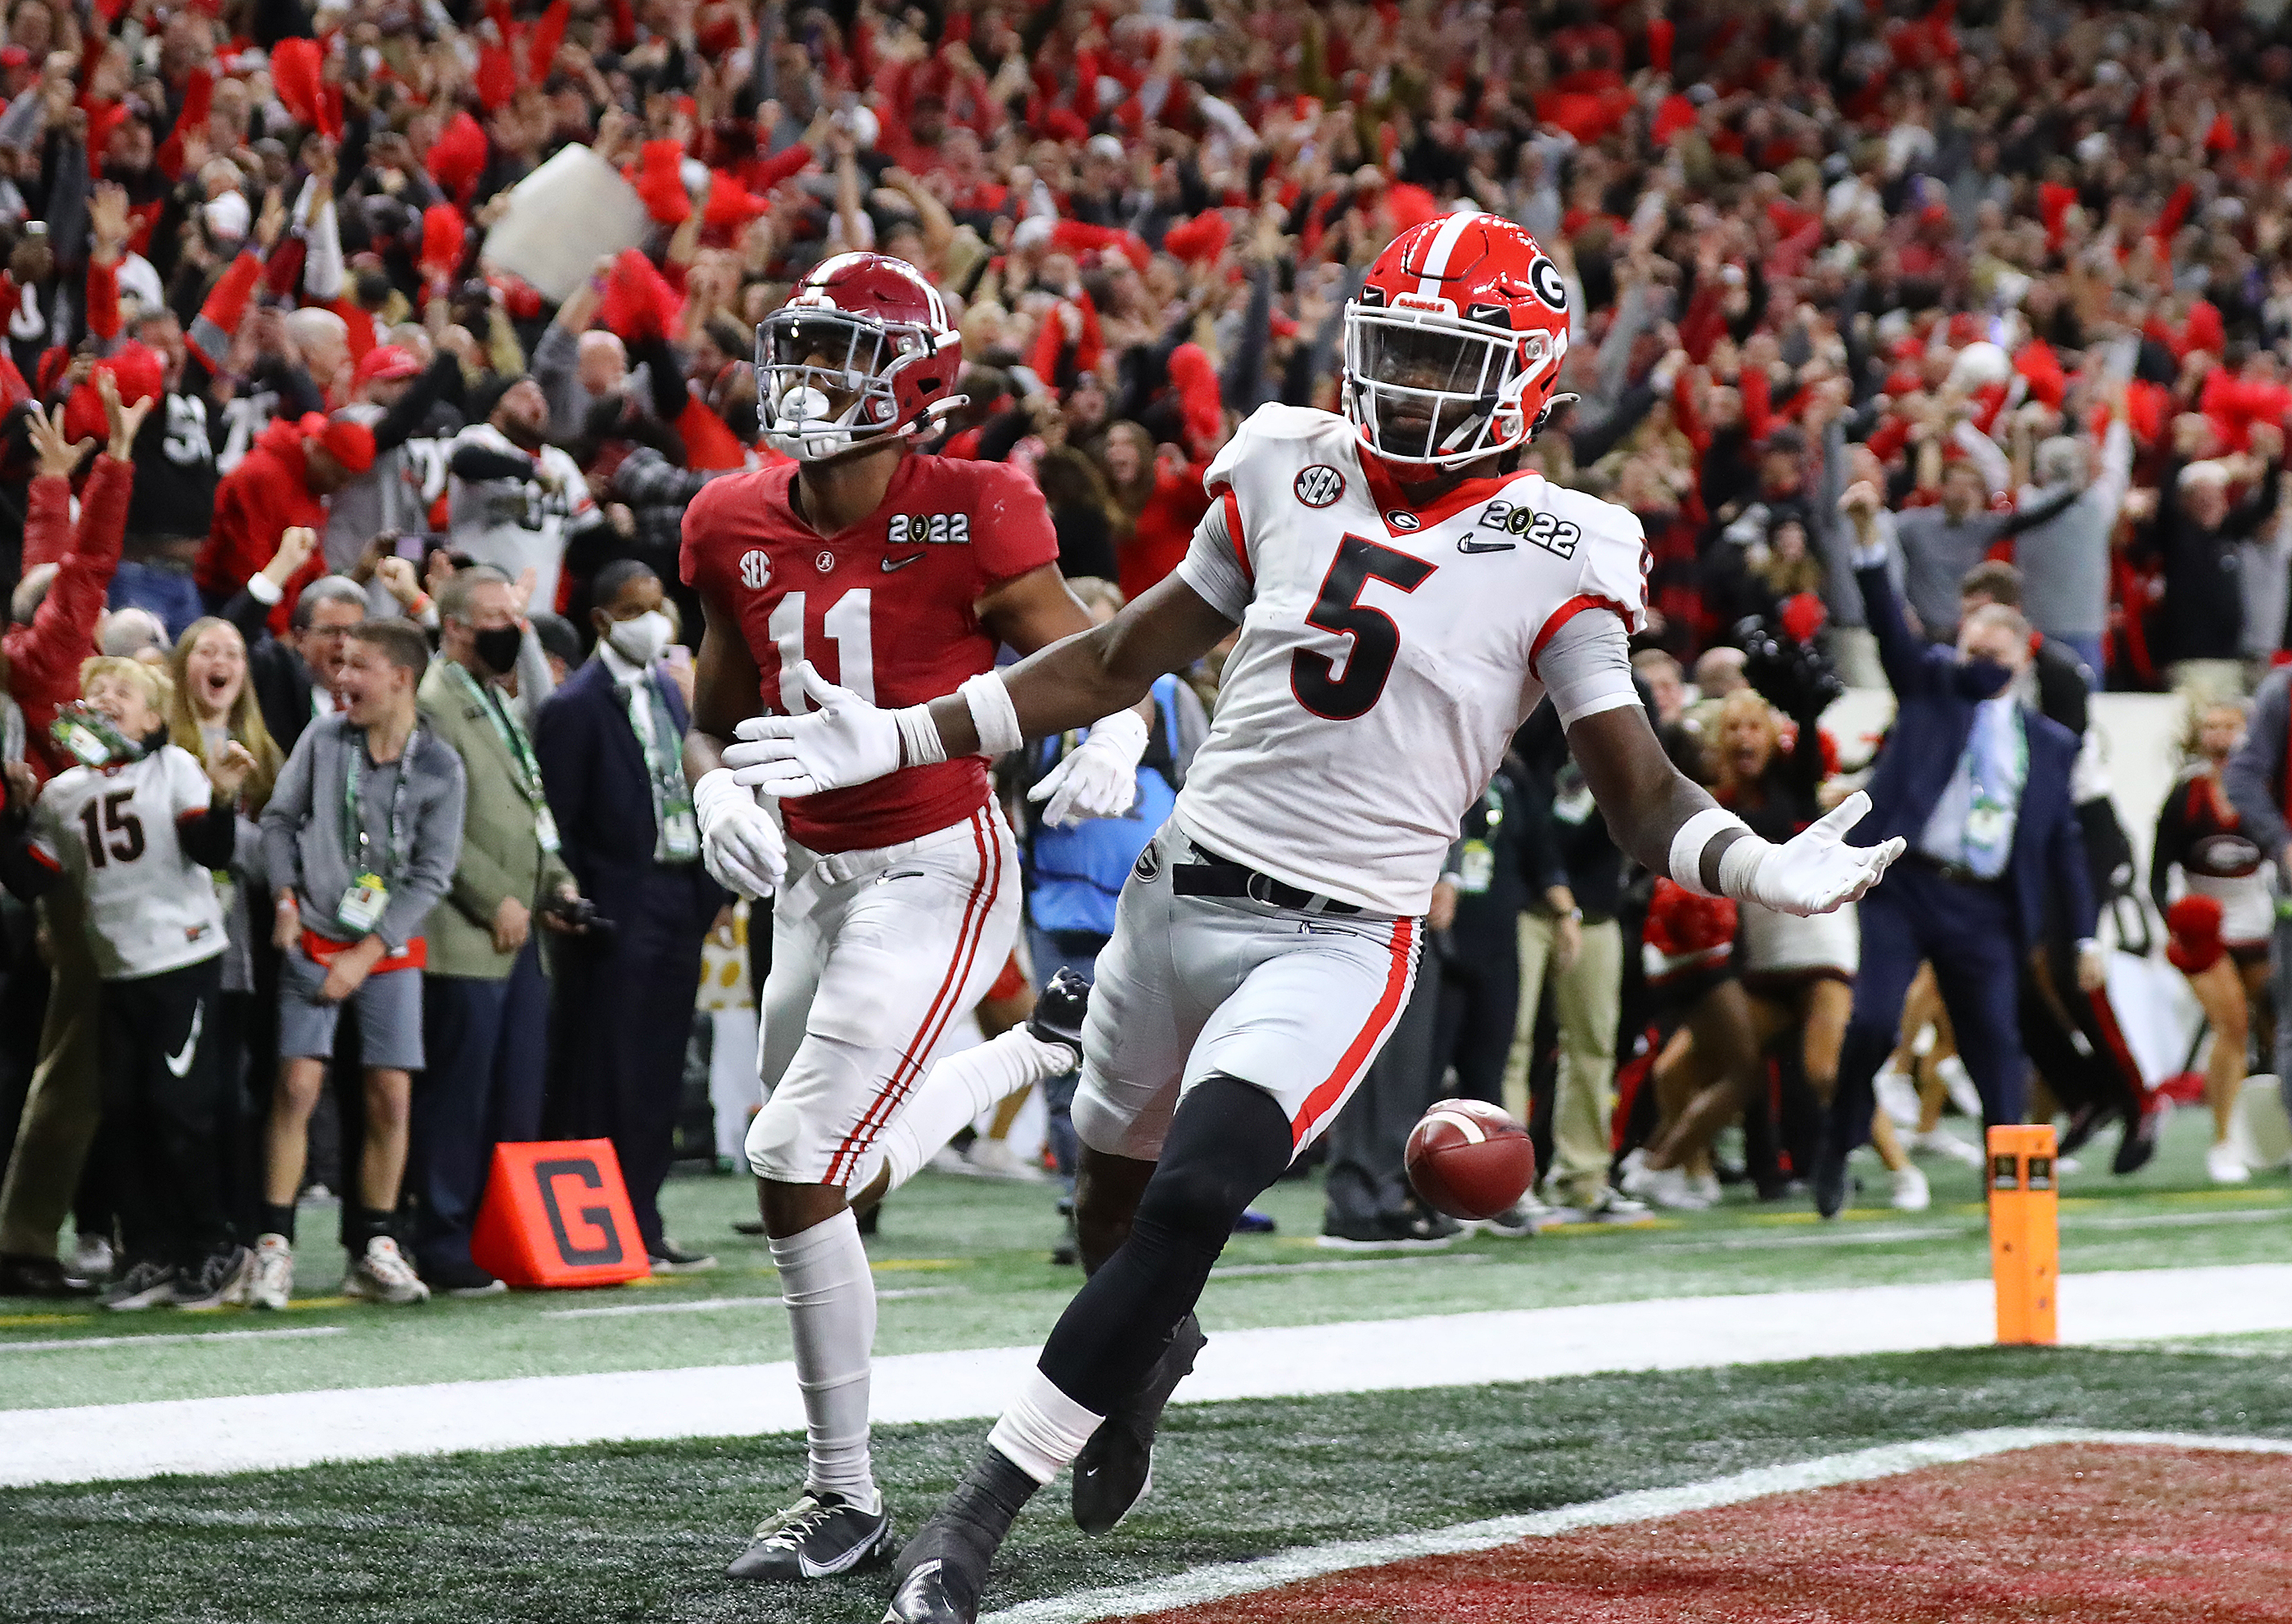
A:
[1980,679]
[639,641]
[496,649]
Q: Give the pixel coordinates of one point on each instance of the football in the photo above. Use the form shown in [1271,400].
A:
[1469,1158]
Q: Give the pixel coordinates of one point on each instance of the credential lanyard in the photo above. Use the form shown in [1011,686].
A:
[357,843]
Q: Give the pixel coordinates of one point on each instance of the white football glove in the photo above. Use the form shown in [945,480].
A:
[1812,873]
[846,741]
[1098,778]
[740,844]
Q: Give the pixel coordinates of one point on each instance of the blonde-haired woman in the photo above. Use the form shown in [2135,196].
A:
[2221,923]
[212,708]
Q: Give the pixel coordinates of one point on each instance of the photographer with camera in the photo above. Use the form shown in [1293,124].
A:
[485,998]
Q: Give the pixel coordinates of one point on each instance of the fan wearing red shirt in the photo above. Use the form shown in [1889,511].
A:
[864,567]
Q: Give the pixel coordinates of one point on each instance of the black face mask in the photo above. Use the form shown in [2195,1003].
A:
[496,649]
[1982,679]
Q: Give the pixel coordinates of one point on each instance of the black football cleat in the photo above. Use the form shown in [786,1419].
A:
[1829,1178]
[2084,1122]
[941,1574]
[2139,1143]
[821,1535]
[1116,1466]
[1059,1011]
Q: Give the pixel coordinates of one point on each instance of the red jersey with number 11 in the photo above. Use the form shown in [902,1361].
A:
[888,608]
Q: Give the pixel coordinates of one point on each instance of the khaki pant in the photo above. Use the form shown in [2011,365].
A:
[65,1101]
[1587,998]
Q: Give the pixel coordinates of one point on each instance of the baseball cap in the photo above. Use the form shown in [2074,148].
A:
[350,444]
[387,363]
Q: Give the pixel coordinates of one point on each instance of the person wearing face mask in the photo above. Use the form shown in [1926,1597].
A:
[1979,787]
[485,1003]
[610,742]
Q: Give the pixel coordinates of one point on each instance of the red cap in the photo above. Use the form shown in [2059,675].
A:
[350,444]
[386,363]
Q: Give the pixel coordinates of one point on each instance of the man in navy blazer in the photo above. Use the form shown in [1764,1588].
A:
[611,741]
[1978,785]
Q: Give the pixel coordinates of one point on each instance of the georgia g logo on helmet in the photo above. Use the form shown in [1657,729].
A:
[863,350]
[1453,345]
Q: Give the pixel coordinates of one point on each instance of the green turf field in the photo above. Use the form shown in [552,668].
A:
[641,1532]
[975,1256]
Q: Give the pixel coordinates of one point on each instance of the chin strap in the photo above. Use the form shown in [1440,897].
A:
[1550,405]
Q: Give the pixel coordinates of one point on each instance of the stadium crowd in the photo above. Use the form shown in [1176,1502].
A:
[1989,298]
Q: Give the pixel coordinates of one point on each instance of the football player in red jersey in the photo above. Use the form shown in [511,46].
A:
[899,573]
[1406,596]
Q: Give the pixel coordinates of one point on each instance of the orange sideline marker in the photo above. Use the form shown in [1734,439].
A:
[557,1213]
[2025,1240]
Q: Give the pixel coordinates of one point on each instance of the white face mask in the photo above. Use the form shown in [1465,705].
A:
[639,641]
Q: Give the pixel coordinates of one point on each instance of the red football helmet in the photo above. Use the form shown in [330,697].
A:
[1454,342]
[863,349]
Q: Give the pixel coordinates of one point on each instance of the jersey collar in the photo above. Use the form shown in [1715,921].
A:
[1384,490]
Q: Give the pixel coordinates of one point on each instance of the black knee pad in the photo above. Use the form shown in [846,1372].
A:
[1228,1143]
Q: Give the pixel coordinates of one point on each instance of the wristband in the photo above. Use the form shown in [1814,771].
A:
[920,745]
[1687,846]
[992,714]
[1738,863]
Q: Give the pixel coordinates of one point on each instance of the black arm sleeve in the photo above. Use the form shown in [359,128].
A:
[206,835]
[26,878]
[475,463]
[2028,518]
[2172,840]
[1590,445]
[1002,433]
[399,424]
[664,373]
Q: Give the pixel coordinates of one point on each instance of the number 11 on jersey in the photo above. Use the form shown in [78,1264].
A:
[849,623]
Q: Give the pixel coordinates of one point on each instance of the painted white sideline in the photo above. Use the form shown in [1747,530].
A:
[1225,1578]
[266,1431]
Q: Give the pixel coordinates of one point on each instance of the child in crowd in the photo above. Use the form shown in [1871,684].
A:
[135,832]
[360,840]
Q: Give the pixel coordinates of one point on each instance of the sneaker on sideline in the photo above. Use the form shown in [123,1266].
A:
[91,1258]
[673,1259]
[144,1285]
[995,1159]
[1393,1231]
[459,1277]
[383,1275]
[1910,1193]
[1665,1187]
[272,1277]
[219,1280]
[2223,1166]
[1941,1141]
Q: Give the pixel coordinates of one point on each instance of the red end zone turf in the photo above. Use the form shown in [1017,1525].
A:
[2080,1533]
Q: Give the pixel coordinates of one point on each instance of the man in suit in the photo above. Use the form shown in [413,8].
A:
[610,741]
[485,1004]
[1979,787]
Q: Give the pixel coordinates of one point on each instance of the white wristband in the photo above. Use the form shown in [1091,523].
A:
[920,745]
[1687,845]
[992,714]
[1739,864]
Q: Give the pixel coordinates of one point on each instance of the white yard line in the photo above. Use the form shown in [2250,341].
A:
[188,1335]
[1220,1580]
[710,1304]
[260,1431]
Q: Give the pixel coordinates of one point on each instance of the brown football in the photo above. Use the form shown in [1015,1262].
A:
[1469,1158]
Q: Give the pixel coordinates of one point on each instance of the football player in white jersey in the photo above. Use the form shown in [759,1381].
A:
[1405,598]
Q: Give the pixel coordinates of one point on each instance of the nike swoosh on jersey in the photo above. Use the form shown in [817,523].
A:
[180,1064]
[891,564]
[1465,544]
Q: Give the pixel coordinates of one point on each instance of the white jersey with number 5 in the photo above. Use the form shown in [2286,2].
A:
[1387,653]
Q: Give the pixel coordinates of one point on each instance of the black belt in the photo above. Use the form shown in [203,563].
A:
[1957,874]
[1212,875]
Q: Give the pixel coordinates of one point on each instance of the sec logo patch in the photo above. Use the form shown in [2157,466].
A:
[756,570]
[1319,486]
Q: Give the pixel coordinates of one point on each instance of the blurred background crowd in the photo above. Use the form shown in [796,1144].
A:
[1998,285]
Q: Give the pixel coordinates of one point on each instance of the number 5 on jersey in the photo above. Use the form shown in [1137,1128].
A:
[1375,641]
[847,622]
